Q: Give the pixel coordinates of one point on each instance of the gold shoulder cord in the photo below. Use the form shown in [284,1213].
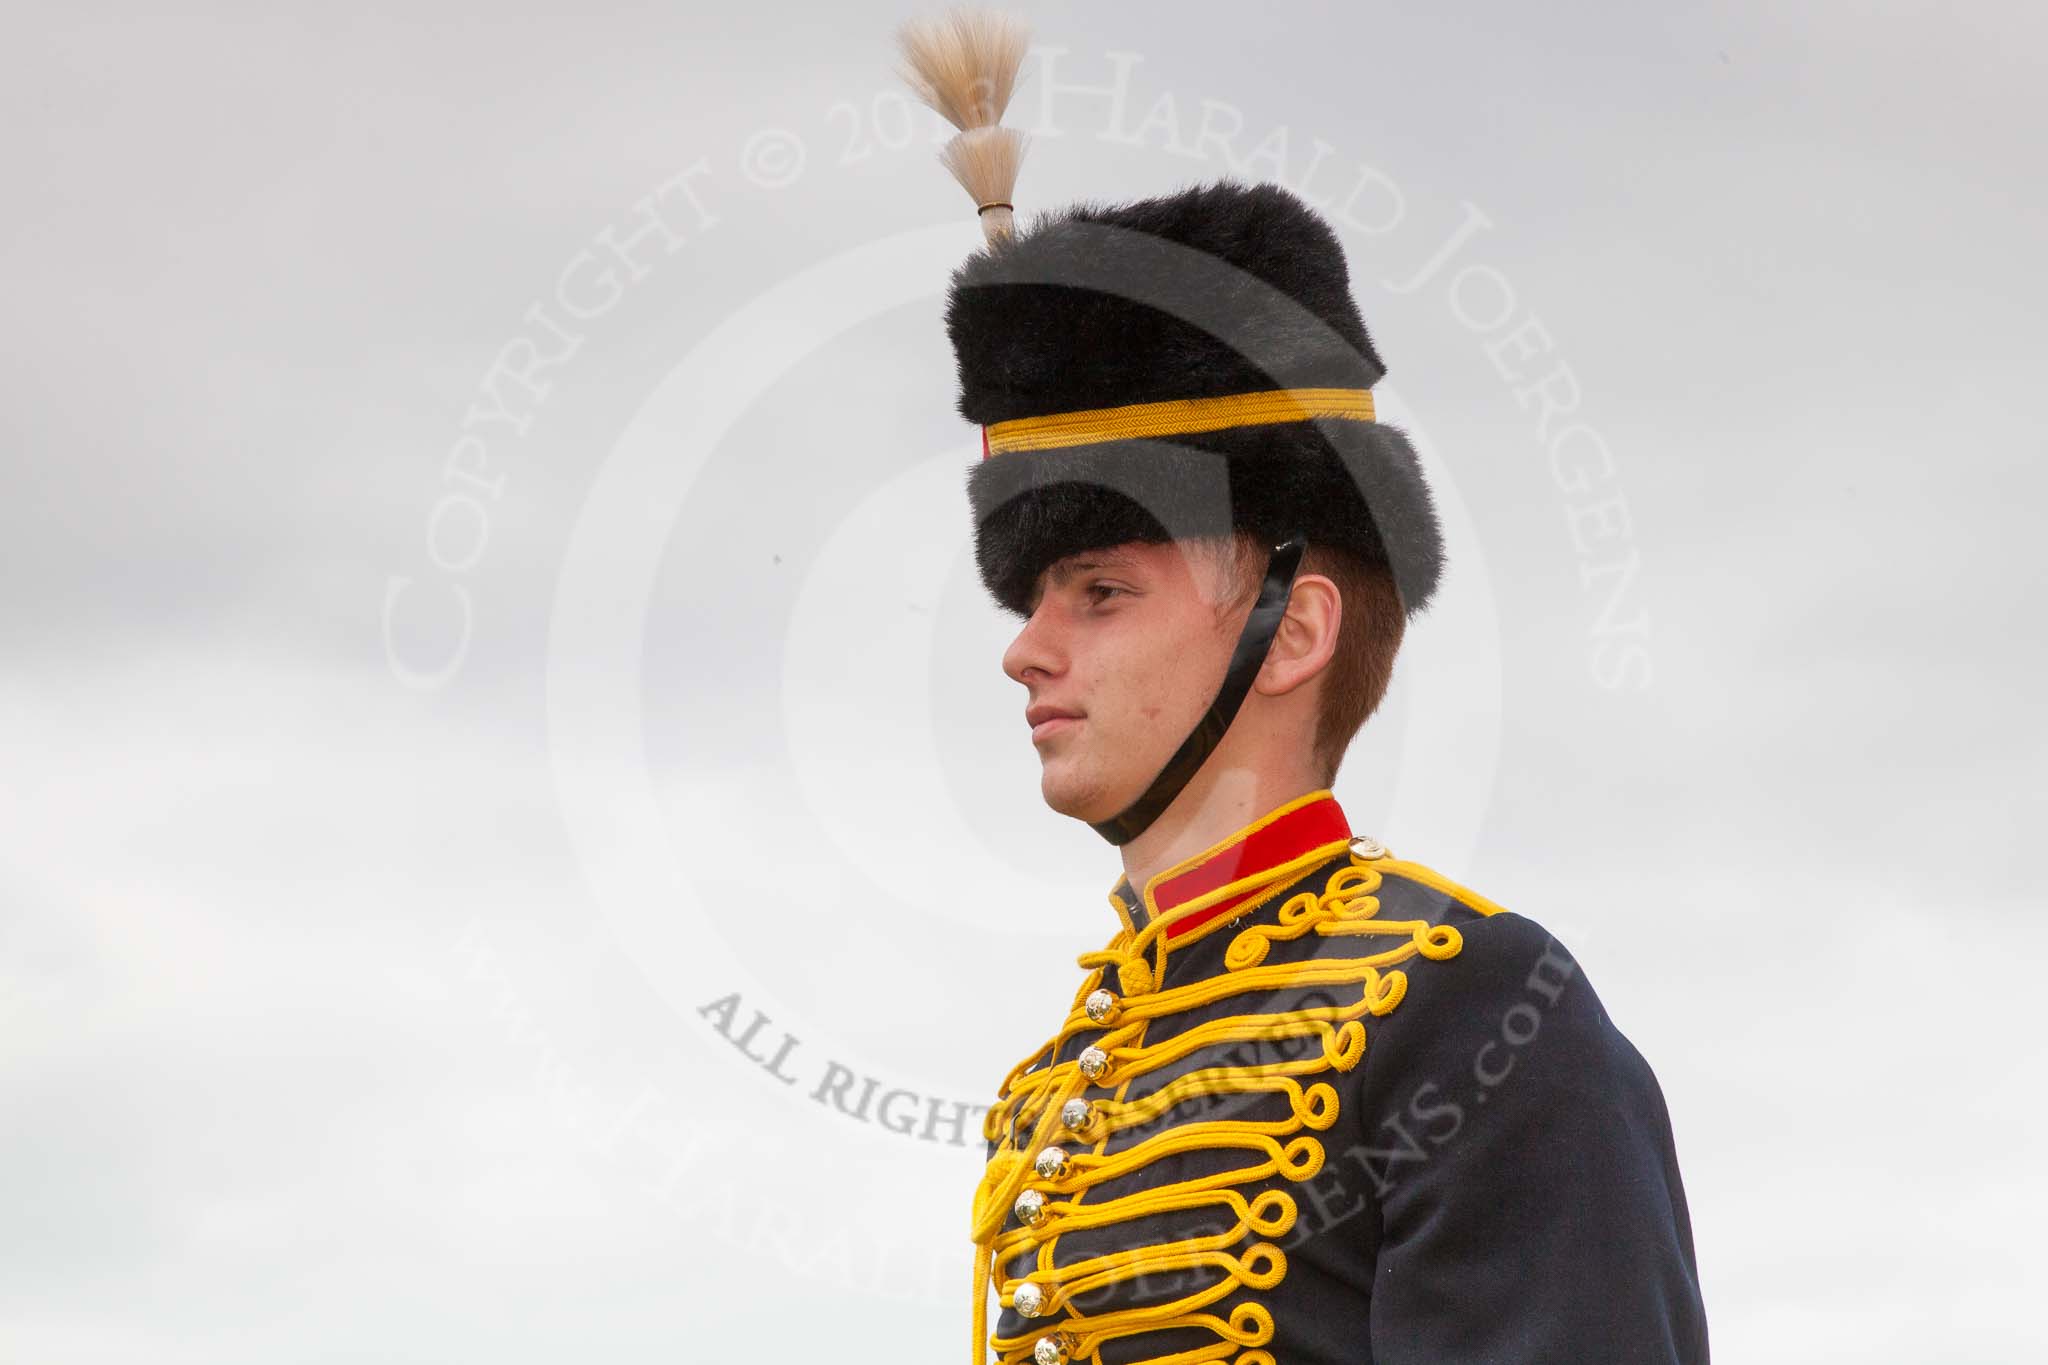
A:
[1045,1184]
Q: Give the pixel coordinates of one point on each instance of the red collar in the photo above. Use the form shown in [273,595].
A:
[1286,834]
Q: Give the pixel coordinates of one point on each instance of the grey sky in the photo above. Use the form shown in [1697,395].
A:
[348,1019]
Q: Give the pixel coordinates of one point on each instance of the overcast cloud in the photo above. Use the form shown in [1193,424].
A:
[456,630]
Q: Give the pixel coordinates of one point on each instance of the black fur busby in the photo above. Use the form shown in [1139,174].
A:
[1219,289]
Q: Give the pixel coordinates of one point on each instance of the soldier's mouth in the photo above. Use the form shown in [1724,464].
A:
[1045,729]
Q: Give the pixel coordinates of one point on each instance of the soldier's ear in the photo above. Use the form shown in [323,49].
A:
[1307,638]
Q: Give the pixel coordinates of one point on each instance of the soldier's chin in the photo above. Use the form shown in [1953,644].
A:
[1081,796]
[1072,794]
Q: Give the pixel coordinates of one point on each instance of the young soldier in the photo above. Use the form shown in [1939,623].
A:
[1312,1103]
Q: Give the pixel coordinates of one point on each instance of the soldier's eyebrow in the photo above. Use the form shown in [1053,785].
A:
[1063,571]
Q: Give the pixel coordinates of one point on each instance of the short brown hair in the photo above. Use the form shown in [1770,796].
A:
[1368,637]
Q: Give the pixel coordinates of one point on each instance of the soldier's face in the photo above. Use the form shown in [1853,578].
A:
[1122,652]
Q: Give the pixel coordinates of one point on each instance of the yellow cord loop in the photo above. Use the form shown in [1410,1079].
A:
[1030,1117]
[1176,417]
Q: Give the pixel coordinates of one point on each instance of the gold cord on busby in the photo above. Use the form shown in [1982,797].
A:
[965,66]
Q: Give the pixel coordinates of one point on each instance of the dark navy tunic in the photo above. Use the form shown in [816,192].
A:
[1316,1105]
